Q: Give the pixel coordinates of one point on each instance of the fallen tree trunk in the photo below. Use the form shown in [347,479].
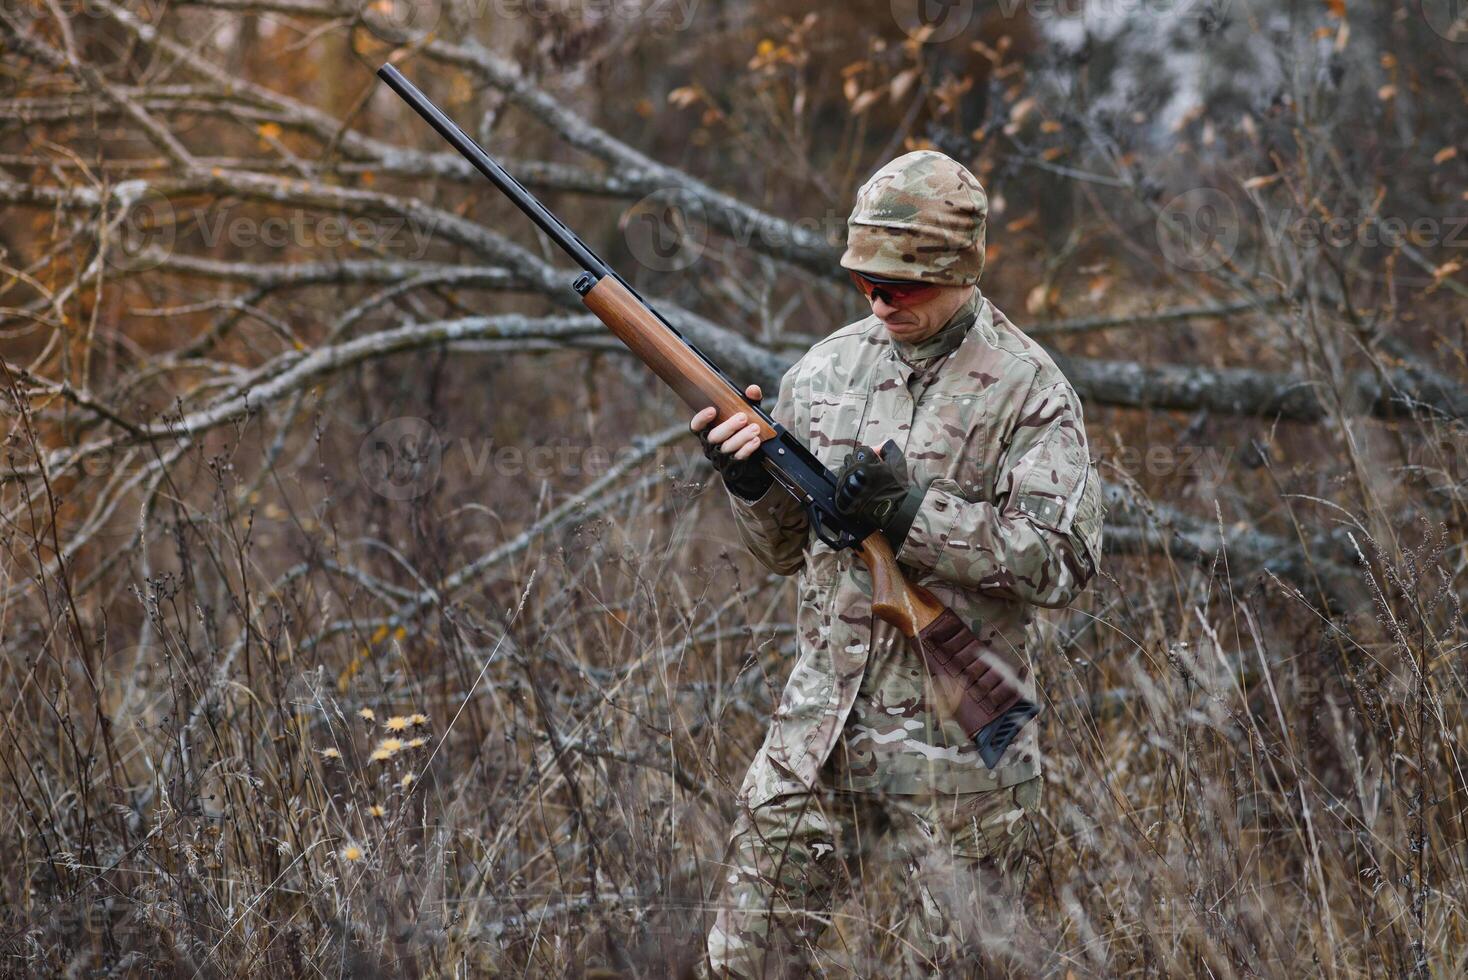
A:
[1245,391]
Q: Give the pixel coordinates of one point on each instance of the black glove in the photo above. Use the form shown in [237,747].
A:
[745,478]
[875,488]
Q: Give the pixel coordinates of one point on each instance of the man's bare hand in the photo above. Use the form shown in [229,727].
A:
[737,435]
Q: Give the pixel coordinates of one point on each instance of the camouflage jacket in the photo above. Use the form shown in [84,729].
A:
[1010,520]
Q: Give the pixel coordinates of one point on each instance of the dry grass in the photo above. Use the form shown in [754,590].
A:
[260,718]
[538,774]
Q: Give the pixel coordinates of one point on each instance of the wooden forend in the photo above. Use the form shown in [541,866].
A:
[666,353]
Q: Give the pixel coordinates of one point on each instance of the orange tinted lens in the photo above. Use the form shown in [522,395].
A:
[905,293]
[912,294]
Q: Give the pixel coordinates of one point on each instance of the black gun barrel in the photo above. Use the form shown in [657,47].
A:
[596,268]
[788,460]
[501,178]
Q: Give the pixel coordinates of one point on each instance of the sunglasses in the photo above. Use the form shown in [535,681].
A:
[894,293]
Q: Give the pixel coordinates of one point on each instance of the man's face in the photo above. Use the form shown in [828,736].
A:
[916,317]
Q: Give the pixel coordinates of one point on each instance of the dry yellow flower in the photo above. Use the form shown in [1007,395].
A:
[380,755]
[367,714]
[377,810]
[351,853]
[391,745]
[418,719]
[417,743]
[330,754]
[407,780]
[397,723]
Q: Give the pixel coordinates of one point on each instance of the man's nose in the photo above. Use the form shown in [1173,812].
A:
[881,307]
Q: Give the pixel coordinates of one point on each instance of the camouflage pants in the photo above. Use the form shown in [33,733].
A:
[954,867]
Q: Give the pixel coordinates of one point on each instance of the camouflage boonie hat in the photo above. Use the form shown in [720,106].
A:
[921,217]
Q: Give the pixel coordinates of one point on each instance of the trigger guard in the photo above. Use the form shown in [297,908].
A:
[836,540]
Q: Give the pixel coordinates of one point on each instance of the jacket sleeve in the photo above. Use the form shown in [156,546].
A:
[775,527]
[1040,539]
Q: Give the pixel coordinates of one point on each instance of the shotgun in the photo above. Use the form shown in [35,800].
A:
[978,685]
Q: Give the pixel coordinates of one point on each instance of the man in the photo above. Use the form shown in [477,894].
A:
[991,504]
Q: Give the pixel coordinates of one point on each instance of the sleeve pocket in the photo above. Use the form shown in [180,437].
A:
[1053,479]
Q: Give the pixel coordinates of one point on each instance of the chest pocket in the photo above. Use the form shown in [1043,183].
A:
[950,441]
[833,424]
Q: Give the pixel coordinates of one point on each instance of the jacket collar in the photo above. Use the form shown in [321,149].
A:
[946,339]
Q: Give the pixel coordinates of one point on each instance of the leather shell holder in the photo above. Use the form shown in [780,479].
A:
[980,687]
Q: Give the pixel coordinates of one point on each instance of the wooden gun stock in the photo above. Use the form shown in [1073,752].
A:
[895,600]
